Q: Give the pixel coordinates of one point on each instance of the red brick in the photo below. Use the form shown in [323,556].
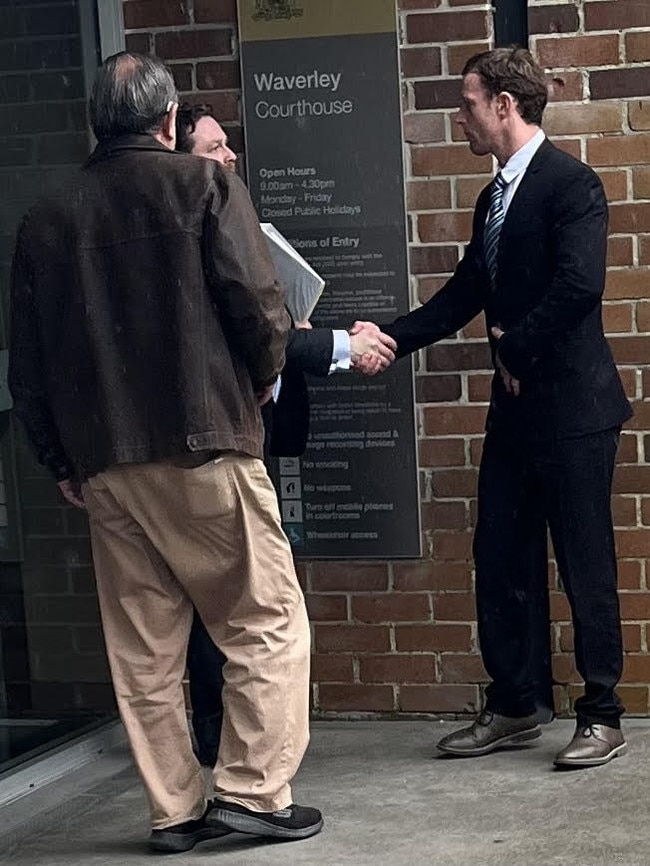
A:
[141,43]
[218,75]
[631,479]
[154,13]
[620,253]
[633,542]
[624,511]
[437,93]
[618,83]
[182,73]
[437,389]
[215,11]
[615,183]
[428,194]
[405,607]
[636,668]
[424,127]
[444,27]
[645,511]
[458,55]
[479,387]
[332,669]
[565,86]
[397,669]
[194,43]
[627,283]
[578,51]
[441,452]
[476,451]
[635,699]
[417,4]
[450,159]
[475,329]
[439,699]
[565,119]
[641,418]
[428,286]
[621,14]
[355,697]
[420,62]
[223,104]
[641,182]
[454,420]
[445,227]
[631,638]
[643,320]
[349,576]
[433,638]
[569,145]
[619,150]
[564,669]
[351,638]
[562,18]
[454,483]
[324,607]
[637,47]
[462,669]
[627,449]
[444,515]
[635,605]
[617,318]
[431,575]
[631,350]
[468,189]
[459,356]
[638,113]
[433,259]
[454,607]
[559,606]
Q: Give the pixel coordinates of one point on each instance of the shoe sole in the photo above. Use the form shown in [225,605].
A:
[258,827]
[174,843]
[510,740]
[591,762]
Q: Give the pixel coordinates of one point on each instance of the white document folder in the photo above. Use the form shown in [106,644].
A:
[302,284]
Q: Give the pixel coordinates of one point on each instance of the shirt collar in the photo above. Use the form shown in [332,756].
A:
[519,161]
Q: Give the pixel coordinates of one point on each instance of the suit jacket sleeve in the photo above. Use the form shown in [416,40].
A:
[242,280]
[27,376]
[457,303]
[310,350]
[579,248]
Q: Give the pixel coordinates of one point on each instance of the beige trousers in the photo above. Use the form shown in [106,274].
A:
[165,537]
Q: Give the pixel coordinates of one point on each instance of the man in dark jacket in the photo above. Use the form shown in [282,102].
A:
[313,351]
[147,326]
[536,267]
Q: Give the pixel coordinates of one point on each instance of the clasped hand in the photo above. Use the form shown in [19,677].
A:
[371,351]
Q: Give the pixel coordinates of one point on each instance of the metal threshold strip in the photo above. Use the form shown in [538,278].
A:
[59,761]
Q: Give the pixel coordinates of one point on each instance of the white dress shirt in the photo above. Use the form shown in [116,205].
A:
[514,170]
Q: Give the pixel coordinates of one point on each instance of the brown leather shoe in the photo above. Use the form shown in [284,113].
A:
[591,746]
[489,732]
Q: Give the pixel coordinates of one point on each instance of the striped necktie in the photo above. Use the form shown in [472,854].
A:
[493,225]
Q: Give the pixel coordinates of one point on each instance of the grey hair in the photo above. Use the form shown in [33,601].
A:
[132,93]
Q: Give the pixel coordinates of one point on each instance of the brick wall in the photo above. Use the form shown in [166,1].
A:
[401,636]
[49,622]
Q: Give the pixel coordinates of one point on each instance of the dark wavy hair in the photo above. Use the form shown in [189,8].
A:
[513,70]
[186,119]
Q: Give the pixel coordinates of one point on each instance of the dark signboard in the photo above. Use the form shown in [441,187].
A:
[324,155]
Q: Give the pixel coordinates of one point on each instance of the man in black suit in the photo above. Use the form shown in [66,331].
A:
[313,351]
[536,267]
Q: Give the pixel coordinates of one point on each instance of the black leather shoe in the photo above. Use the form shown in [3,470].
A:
[489,732]
[183,837]
[591,746]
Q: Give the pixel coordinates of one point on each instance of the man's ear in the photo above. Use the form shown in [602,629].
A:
[168,128]
[506,103]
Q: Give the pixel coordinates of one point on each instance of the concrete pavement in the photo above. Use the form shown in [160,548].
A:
[387,801]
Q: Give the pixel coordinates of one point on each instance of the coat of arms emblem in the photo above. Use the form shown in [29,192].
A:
[274,10]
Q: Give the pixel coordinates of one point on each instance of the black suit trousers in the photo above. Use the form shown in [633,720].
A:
[524,488]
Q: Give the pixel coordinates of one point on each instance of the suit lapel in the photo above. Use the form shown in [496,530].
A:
[532,176]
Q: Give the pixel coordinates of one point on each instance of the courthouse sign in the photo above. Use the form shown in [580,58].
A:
[324,156]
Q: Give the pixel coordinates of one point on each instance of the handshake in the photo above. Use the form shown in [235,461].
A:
[371,351]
